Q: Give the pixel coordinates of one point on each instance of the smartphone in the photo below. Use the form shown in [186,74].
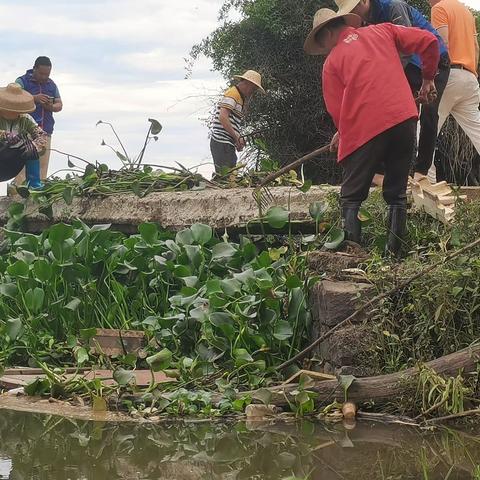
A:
[50,99]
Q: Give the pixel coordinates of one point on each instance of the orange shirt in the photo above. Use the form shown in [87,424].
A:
[462,31]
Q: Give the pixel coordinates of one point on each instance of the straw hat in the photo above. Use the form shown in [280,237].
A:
[321,19]
[346,6]
[253,77]
[14,99]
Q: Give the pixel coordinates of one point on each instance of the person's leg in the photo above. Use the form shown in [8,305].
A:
[429,119]
[401,144]
[224,156]
[45,159]
[358,171]
[466,111]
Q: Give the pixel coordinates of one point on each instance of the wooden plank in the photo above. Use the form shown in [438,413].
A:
[142,378]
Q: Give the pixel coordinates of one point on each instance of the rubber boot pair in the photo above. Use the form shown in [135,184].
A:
[397,222]
[32,173]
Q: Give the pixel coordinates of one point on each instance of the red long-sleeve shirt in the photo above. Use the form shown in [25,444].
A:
[364,85]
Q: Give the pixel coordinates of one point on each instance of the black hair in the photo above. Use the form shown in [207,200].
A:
[42,62]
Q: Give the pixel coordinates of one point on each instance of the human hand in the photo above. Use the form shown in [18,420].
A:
[428,92]
[334,142]
[41,98]
[28,150]
[240,143]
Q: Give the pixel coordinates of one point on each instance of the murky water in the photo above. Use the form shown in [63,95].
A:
[39,447]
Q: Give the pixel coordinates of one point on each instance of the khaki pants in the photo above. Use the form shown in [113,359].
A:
[461,99]
[44,159]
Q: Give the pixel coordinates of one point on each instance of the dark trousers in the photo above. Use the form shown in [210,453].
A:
[392,149]
[11,162]
[429,113]
[224,156]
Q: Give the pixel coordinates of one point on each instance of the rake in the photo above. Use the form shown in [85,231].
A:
[263,195]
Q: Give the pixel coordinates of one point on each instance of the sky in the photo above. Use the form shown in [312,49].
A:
[120,61]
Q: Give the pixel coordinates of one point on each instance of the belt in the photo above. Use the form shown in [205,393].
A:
[459,66]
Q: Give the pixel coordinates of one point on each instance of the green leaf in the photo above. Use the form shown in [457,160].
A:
[34,299]
[283,330]
[67,195]
[201,234]
[223,251]
[224,322]
[16,208]
[148,232]
[81,355]
[73,304]
[346,382]
[161,360]
[277,217]
[43,270]
[242,357]
[317,210]
[364,215]
[194,254]
[155,127]
[59,233]
[262,395]
[18,269]
[123,377]
[293,282]
[14,327]
[306,186]
[88,333]
[184,237]
[334,238]
[230,286]
[122,157]
[9,290]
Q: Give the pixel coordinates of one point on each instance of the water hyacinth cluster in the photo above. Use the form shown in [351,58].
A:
[212,303]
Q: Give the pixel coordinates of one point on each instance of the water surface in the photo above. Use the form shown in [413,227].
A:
[41,447]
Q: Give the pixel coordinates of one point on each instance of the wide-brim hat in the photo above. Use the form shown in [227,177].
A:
[14,99]
[253,77]
[346,6]
[322,18]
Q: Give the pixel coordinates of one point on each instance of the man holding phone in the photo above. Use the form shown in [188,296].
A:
[47,98]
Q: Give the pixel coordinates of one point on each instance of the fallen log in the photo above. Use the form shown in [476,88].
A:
[382,388]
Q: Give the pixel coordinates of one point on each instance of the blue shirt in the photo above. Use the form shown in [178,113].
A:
[44,118]
[400,13]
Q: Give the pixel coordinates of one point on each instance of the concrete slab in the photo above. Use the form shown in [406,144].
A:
[233,208]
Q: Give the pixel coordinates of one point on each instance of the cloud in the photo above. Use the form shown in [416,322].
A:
[123,62]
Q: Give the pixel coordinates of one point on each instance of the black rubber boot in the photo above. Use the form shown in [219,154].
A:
[397,224]
[351,223]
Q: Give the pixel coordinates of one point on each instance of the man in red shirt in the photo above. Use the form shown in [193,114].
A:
[372,106]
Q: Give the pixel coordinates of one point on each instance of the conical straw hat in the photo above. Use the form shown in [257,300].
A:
[253,77]
[322,18]
[14,99]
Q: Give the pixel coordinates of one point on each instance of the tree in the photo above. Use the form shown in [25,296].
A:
[269,38]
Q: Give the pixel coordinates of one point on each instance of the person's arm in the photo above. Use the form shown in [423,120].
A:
[440,22]
[38,137]
[477,52]
[414,40]
[54,107]
[224,118]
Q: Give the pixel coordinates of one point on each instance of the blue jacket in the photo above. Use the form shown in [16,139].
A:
[43,117]
[400,13]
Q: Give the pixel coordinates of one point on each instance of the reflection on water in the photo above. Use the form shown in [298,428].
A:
[36,447]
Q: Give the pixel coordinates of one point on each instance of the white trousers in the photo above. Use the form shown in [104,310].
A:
[461,99]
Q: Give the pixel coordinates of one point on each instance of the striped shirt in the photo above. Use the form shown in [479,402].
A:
[25,125]
[232,100]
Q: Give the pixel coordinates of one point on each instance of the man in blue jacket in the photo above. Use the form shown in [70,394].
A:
[400,13]
[47,98]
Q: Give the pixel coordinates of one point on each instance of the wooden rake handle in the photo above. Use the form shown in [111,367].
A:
[291,166]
